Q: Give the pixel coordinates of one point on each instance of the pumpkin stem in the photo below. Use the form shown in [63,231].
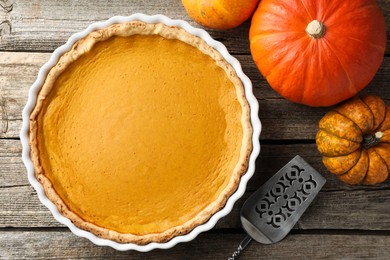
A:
[316,29]
[371,139]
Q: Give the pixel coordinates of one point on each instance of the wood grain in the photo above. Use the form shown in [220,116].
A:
[64,245]
[46,24]
[12,170]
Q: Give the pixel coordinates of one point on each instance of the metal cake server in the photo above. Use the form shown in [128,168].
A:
[271,212]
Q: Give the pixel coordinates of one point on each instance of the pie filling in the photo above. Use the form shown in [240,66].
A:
[140,134]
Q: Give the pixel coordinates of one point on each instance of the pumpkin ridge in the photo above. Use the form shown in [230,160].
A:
[379,149]
[365,105]
[332,146]
[346,169]
[266,34]
[383,160]
[374,46]
[360,155]
[368,108]
[338,20]
[373,116]
[307,11]
[329,133]
[327,13]
[359,148]
[282,58]
[279,16]
[349,120]
[378,172]
[253,41]
[325,130]
[305,65]
[269,12]
[386,121]
[289,11]
[351,86]
[354,176]
[298,42]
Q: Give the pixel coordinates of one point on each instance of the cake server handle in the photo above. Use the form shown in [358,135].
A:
[240,247]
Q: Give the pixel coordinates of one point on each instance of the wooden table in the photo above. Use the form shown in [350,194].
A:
[344,222]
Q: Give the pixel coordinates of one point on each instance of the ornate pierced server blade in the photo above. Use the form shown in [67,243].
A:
[271,212]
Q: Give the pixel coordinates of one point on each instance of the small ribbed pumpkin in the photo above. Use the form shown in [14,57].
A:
[354,140]
[318,53]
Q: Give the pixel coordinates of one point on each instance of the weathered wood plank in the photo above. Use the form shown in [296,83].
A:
[18,72]
[12,170]
[281,119]
[45,25]
[64,245]
[363,210]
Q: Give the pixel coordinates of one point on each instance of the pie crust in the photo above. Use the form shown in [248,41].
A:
[83,46]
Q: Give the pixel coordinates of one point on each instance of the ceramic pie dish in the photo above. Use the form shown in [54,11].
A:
[140,132]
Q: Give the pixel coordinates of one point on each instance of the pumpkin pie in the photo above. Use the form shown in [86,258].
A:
[140,132]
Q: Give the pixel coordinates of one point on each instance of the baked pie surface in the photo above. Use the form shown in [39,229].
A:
[140,132]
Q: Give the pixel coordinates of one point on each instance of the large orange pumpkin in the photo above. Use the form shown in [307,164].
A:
[318,52]
[354,139]
[220,14]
